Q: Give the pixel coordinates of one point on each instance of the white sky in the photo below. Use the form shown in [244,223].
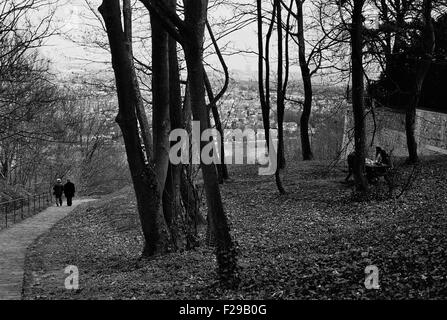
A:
[75,20]
[72,19]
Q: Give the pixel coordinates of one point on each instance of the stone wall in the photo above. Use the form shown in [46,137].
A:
[431,132]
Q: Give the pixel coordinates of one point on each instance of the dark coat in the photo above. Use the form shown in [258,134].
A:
[69,189]
[58,189]
[384,157]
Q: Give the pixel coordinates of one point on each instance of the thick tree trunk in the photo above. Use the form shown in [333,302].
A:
[306,149]
[357,96]
[160,99]
[180,219]
[190,198]
[189,191]
[195,17]
[145,182]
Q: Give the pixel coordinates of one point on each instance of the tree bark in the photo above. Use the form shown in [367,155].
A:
[180,218]
[422,67]
[264,106]
[279,88]
[146,186]
[280,101]
[357,96]
[141,112]
[160,99]
[222,167]
[195,17]
[306,148]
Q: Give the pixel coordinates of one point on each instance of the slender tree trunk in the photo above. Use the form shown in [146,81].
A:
[195,17]
[422,68]
[144,178]
[280,95]
[357,96]
[306,149]
[280,102]
[140,111]
[410,126]
[222,167]
[264,106]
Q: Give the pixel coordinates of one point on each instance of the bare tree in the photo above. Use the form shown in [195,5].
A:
[422,67]
[307,83]
[358,106]
[189,32]
[147,187]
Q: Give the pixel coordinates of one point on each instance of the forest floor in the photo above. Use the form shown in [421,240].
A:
[312,243]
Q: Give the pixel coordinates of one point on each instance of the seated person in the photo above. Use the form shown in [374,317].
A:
[382,157]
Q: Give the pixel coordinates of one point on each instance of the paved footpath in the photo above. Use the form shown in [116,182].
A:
[14,242]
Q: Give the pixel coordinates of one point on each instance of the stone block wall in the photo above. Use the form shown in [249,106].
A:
[389,132]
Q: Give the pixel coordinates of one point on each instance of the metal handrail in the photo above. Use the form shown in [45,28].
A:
[22,207]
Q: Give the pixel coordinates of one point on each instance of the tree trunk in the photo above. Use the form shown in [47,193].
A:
[306,149]
[264,106]
[155,231]
[280,95]
[160,99]
[179,219]
[141,112]
[280,102]
[195,17]
[189,191]
[422,68]
[222,167]
[357,96]
[410,126]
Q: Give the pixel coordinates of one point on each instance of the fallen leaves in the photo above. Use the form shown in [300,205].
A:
[313,243]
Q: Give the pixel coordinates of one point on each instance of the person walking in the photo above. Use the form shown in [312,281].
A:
[58,189]
[69,191]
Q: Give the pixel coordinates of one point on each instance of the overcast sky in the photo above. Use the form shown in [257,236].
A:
[73,17]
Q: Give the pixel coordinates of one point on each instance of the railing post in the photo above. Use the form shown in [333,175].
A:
[9,208]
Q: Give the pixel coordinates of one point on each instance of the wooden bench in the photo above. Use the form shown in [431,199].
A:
[375,171]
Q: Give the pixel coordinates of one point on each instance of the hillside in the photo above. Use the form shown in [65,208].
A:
[313,243]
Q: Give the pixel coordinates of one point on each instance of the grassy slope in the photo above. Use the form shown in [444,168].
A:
[312,243]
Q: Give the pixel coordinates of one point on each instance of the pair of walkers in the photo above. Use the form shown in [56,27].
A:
[67,189]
